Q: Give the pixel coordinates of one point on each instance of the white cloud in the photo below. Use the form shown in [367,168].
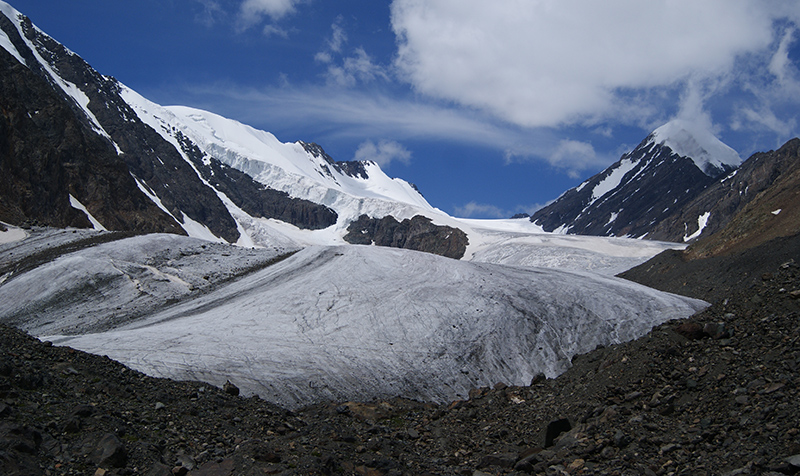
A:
[354,69]
[273,30]
[485,210]
[383,153]
[692,106]
[781,66]
[765,119]
[252,12]
[338,37]
[776,93]
[472,209]
[348,70]
[211,12]
[357,114]
[574,156]
[550,63]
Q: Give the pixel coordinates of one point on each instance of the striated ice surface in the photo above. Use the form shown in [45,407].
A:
[361,322]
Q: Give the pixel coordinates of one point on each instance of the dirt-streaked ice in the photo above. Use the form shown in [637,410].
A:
[361,322]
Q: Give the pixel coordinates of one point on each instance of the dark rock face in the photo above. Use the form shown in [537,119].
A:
[418,233]
[148,157]
[731,194]
[662,196]
[47,153]
[352,168]
[764,232]
[651,183]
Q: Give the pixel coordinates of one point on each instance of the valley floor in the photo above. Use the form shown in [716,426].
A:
[663,404]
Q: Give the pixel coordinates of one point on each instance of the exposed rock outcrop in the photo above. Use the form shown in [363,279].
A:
[419,233]
[733,193]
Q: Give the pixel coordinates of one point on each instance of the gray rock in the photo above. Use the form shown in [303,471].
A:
[230,388]
[159,469]
[621,440]
[109,452]
[717,330]
[503,460]
[187,462]
[83,411]
[554,429]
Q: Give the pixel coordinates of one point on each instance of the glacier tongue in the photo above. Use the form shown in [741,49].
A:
[359,322]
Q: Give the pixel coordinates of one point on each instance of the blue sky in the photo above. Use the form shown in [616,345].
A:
[491,108]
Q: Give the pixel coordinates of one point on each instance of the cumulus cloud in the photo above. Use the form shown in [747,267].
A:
[551,63]
[383,153]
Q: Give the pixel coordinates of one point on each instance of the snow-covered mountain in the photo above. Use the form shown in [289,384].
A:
[178,169]
[687,139]
[647,185]
[294,314]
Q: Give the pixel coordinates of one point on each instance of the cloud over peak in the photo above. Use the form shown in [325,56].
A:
[548,63]
[383,153]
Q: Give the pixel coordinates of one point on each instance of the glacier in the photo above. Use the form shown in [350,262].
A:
[326,323]
[359,322]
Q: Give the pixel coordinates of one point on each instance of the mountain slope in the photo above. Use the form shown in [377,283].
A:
[210,177]
[716,206]
[762,235]
[52,154]
[644,187]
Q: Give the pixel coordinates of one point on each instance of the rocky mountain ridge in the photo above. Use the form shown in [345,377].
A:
[109,158]
[656,193]
[772,173]
[645,187]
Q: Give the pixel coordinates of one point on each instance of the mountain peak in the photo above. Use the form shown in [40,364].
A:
[692,140]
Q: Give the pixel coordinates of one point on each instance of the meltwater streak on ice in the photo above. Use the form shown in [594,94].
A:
[359,322]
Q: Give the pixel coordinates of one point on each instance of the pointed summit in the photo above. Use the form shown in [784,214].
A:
[666,170]
[688,139]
